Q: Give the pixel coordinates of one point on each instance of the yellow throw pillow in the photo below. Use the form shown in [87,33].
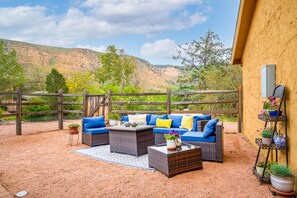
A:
[163,123]
[187,122]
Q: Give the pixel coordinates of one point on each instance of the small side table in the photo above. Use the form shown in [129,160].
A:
[185,158]
[71,134]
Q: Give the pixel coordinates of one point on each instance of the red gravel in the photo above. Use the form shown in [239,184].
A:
[43,164]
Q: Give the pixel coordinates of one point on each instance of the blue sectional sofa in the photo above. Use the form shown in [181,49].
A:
[176,123]
[206,133]
[94,132]
[211,143]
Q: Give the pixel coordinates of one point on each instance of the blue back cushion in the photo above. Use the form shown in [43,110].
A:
[154,118]
[94,122]
[125,118]
[199,117]
[176,120]
[210,127]
[148,118]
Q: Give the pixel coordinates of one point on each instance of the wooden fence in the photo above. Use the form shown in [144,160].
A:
[90,105]
[168,103]
[102,104]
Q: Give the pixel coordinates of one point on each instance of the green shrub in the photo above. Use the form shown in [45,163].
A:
[114,116]
[1,110]
[36,108]
[73,125]
[281,170]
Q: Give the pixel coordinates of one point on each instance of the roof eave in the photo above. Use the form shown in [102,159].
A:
[244,19]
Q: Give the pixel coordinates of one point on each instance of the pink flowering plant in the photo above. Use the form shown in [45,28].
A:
[272,104]
[172,135]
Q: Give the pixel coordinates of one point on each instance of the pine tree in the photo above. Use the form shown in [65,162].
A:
[11,73]
[55,81]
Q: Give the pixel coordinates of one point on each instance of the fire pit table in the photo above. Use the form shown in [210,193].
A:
[130,140]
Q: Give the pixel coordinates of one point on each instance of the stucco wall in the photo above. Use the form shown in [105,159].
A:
[272,40]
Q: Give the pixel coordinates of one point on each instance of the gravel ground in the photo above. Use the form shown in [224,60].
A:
[43,164]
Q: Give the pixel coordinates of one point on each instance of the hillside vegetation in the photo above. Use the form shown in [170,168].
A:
[38,60]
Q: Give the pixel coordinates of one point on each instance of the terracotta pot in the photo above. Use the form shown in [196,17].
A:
[73,130]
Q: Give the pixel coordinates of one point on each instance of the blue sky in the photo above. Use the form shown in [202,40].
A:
[149,29]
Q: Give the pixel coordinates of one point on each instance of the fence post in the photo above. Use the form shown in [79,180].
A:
[239,95]
[168,101]
[102,101]
[60,109]
[19,112]
[85,103]
[109,102]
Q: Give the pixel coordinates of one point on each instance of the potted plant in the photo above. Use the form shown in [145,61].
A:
[271,106]
[73,128]
[282,178]
[266,135]
[171,139]
[113,118]
[260,168]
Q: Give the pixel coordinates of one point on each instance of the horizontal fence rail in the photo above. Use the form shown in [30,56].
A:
[185,102]
[88,107]
[117,102]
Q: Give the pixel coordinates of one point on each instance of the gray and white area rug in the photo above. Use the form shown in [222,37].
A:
[103,153]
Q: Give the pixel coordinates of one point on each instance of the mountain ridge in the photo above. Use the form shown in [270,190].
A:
[42,58]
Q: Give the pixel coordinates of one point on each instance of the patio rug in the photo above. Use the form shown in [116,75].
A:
[103,153]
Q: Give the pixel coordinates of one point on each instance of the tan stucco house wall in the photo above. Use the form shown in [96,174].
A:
[266,33]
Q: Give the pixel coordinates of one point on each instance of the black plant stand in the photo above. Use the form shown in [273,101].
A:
[278,92]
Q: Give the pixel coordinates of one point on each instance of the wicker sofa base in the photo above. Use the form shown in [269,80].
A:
[95,139]
[159,138]
[211,151]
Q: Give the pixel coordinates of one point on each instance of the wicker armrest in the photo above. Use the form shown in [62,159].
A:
[219,129]
[201,124]
[219,141]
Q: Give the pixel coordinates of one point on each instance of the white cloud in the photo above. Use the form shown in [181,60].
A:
[93,19]
[146,16]
[98,49]
[161,49]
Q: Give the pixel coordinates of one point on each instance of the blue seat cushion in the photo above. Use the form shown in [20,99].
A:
[167,130]
[210,127]
[94,122]
[154,118]
[96,130]
[176,120]
[198,118]
[197,137]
